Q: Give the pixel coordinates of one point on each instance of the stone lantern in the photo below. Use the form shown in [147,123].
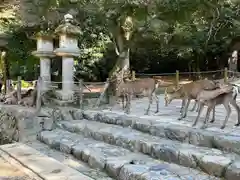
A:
[68,49]
[45,53]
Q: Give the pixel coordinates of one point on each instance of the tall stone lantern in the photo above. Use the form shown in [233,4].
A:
[45,53]
[68,49]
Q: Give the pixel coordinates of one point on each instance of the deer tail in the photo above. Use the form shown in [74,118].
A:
[236,90]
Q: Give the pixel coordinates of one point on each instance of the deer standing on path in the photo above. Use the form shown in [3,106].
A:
[127,89]
[187,92]
[223,95]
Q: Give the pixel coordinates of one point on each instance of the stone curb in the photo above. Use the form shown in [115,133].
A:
[37,165]
[211,161]
[118,162]
[212,138]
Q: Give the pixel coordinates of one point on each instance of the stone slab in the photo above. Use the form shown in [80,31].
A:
[165,127]
[116,161]
[69,160]
[43,166]
[211,161]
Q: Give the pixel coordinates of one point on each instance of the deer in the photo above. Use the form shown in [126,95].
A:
[168,100]
[29,98]
[126,89]
[224,95]
[188,92]
[10,98]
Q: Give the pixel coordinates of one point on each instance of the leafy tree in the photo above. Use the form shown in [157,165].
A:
[149,34]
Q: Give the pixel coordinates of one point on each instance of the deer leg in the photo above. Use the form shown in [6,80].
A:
[209,109]
[198,107]
[213,115]
[185,110]
[128,105]
[228,109]
[149,104]
[194,106]
[157,102]
[183,105]
[123,98]
[199,113]
[234,104]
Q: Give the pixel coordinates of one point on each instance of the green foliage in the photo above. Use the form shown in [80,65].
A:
[22,62]
[167,34]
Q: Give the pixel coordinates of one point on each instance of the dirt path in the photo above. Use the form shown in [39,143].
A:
[8,172]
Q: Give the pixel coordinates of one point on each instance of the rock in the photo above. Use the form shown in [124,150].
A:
[77,114]
[215,165]
[132,172]
[177,133]
[89,115]
[233,171]
[166,152]
[228,143]
[200,138]
[113,166]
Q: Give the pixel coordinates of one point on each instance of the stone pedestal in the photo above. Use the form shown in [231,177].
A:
[45,71]
[67,77]
[44,52]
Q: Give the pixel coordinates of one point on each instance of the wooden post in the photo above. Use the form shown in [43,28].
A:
[133,75]
[3,55]
[81,93]
[225,74]
[19,86]
[39,98]
[8,86]
[177,78]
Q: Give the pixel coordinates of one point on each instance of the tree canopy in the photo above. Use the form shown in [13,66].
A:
[154,36]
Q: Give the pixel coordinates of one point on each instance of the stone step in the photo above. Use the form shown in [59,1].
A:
[68,160]
[211,161]
[226,140]
[118,162]
[37,165]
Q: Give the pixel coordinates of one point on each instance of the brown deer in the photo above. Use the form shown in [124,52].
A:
[221,95]
[168,98]
[11,98]
[187,92]
[127,89]
[29,98]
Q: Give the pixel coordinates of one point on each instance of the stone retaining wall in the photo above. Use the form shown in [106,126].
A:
[20,124]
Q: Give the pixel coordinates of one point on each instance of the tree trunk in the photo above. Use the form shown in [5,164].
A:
[121,38]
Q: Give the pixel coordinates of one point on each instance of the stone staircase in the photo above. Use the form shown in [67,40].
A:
[33,159]
[144,148]
[105,145]
[39,162]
